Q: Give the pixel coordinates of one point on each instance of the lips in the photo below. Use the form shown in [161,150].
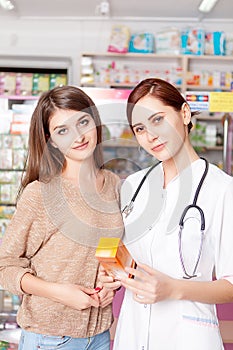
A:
[81,147]
[159,147]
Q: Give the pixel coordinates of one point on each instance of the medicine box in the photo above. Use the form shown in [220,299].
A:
[114,257]
[119,40]
[141,43]
[193,41]
[215,43]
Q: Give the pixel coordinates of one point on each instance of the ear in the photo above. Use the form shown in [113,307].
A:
[186,113]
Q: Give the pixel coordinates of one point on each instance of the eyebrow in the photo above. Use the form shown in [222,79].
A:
[150,117]
[65,125]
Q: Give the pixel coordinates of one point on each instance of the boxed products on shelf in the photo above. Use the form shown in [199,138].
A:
[210,79]
[23,84]
[40,83]
[142,43]
[57,80]
[215,43]
[119,39]
[7,83]
[27,84]
[193,41]
[229,44]
[167,41]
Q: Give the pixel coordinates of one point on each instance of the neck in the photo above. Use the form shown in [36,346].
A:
[79,171]
[174,166]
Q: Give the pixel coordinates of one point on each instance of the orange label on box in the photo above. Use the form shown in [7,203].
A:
[114,256]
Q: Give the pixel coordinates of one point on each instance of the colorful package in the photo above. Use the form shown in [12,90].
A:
[114,256]
[192,41]
[119,40]
[215,43]
[168,41]
[229,44]
[141,43]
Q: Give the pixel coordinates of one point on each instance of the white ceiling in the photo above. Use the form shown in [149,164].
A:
[120,9]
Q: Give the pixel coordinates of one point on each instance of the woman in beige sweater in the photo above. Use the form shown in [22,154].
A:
[67,201]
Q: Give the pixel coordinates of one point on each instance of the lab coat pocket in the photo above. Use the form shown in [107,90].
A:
[200,333]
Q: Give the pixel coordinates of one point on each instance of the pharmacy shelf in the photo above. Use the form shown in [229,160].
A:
[187,63]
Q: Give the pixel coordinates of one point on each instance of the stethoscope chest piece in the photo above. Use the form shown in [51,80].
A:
[128,209]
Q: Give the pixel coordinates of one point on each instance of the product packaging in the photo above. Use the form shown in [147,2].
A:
[229,44]
[167,41]
[141,43]
[57,80]
[114,257]
[215,43]
[40,83]
[192,41]
[7,83]
[119,39]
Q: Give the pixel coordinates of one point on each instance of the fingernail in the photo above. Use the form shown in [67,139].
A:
[98,289]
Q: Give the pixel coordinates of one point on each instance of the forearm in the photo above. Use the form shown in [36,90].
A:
[213,292]
[31,284]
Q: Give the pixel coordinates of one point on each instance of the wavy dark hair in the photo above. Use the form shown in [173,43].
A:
[43,160]
[161,90]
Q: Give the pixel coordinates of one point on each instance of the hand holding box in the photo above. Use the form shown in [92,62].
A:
[114,257]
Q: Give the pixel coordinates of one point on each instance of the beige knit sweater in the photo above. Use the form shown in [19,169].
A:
[53,234]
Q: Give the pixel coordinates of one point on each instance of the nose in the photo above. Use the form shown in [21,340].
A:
[79,137]
[151,135]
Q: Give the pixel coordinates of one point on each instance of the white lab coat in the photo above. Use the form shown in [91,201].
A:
[152,238]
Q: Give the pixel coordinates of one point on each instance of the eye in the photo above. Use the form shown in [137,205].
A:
[84,122]
[139,129]
[157,119]
[63,131]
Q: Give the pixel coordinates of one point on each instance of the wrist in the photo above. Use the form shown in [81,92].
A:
[177,289]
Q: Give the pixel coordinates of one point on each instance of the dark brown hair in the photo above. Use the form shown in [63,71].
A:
[161,90]
[43,160]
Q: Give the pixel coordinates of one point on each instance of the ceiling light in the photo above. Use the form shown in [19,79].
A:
[207,5]
[7,5]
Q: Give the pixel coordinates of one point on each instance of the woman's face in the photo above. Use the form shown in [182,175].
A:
[159,129]
[73,133]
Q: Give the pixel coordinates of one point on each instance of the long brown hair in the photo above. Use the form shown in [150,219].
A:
[43,160]
[161,90]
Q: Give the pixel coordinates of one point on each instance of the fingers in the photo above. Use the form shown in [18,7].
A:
[106,297]
[109,282]
[94,300]
[147,269]
[88,291]
[139,274]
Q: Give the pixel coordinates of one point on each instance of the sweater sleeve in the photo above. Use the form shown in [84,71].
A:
[14,253]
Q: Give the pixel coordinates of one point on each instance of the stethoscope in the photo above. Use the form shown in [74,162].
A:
[129,208]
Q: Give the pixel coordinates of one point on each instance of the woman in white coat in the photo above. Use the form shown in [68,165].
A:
[185,260]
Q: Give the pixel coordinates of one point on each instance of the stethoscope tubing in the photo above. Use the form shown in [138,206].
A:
[129,208]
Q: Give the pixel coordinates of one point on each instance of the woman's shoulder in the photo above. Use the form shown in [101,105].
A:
[31,192]
[137,176]
[219,182]
[218,176]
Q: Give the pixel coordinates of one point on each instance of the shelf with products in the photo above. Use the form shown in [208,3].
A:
[9,330]
[24,81]
[121,152]
[206,72]
[207,136]
[125,70]
[15,115]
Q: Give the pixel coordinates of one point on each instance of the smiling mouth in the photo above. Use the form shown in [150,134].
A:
[82,146]
[159,147]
